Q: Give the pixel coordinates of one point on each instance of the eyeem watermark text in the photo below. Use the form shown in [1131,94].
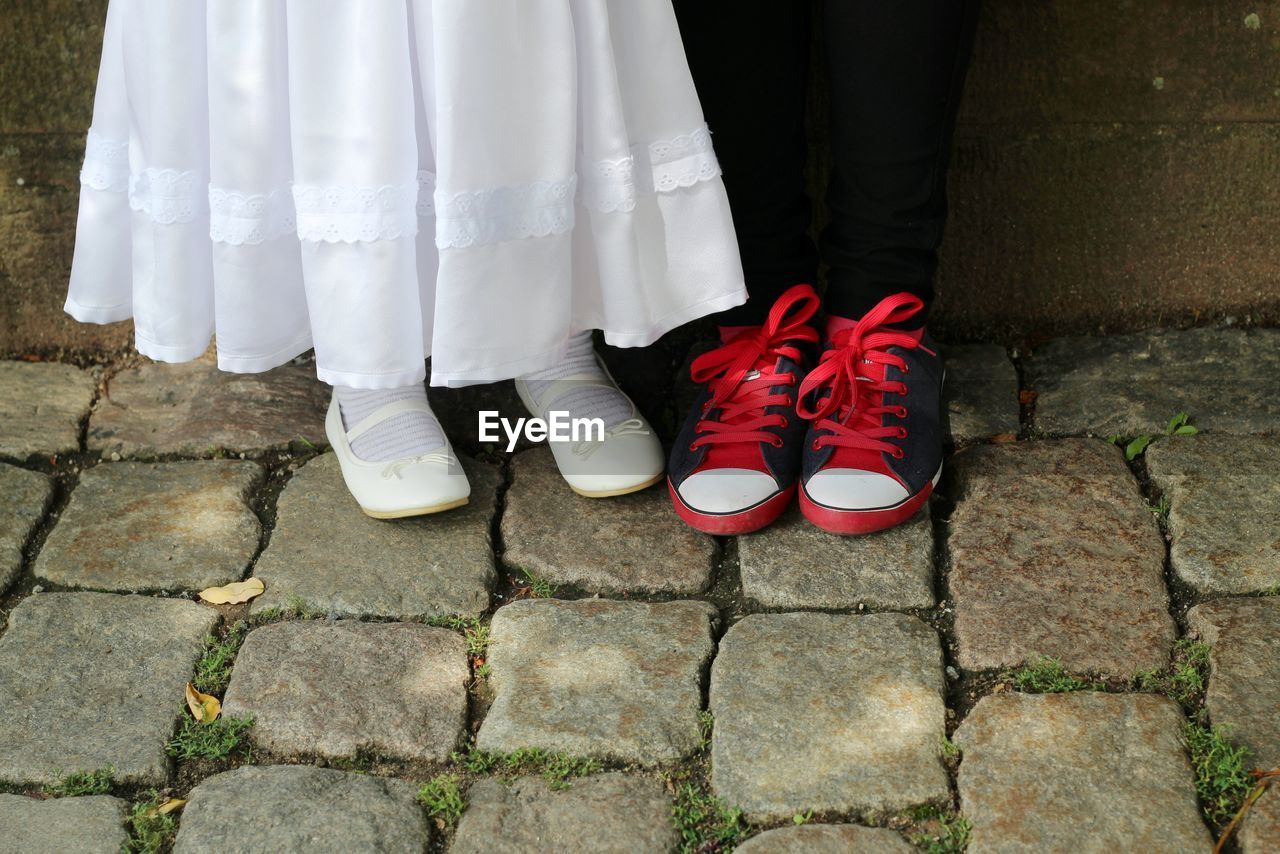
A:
[557,427]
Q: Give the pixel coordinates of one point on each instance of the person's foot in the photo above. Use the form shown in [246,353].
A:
[734,465]
[874,449]
[394,457]
[629,456]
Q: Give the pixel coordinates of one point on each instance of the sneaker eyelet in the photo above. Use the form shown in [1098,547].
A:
[693,449]
[776,442]
[785,423]
[902,432]
[902,412]
[816,446]
[899,454]
[906,369]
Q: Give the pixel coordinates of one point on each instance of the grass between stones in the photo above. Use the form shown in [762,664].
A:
[556,768]
[1221,770]
[476,634]
[535,586]
[704,822]
[1046,675]
[213,670]
[443,795]
[442,798]
[82,783]
[296,608]
[942,831]
[150,829]
[1185,678]
[217,739]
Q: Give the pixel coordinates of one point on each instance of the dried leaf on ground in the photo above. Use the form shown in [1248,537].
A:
[204,707]
[171,805]
[234,593]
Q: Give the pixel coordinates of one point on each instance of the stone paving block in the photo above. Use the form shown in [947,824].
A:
[602,813]
[193,409]
[1244,660]
[980,392]
[327,553]
[1224,509]
[616,681]
[1132,384]
[25,497]
[94,680]
[299,808]
[1054,552]
[627,544]
[829,713]
[1261,827]
[87,825]
[793,564]
[320,689]
[1087,772]
[155,526]
[42,405]
[826,839]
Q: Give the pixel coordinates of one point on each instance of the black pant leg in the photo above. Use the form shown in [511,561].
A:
[896,72]
[750,62]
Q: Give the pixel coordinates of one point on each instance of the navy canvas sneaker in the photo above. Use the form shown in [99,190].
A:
[874,449]
[735,462]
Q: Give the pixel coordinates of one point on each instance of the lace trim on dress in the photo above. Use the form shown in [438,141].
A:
[250,218]
[610,186]
[498,214]
[659,167]
[351,214]
[167,196]
[682,161]
[328,213]
[106,163]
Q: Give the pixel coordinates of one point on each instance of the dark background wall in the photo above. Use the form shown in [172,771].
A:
[1117,166]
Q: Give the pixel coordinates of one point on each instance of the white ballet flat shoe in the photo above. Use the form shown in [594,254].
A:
[392,489]
[628,459]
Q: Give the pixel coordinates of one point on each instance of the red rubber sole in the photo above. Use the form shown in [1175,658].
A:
[727,524]
[846,522]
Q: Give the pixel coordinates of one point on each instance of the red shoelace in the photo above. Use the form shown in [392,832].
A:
[741,372]
[845,393]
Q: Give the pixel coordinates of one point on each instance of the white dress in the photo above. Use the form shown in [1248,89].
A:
[385,180]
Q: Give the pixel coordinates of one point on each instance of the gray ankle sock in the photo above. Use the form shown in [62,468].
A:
[587,401]
[405,435]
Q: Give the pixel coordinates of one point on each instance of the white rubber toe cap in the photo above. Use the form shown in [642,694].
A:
[726,490]
[854,489]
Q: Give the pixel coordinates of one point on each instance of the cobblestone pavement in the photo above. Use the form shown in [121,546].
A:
[1061,652]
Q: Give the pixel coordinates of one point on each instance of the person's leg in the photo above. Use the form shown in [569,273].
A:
[896,72]
[750,63]
[874,448]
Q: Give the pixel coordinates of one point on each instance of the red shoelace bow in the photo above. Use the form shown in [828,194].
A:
[845,393]
[741,373]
